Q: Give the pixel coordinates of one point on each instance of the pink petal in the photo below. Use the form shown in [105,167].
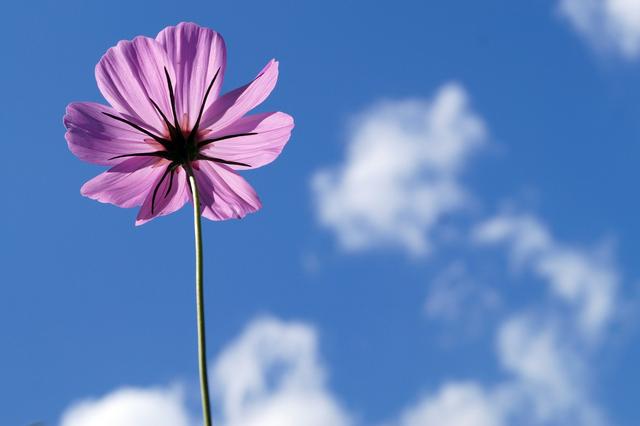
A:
[273,131]
[233,105]
[197,54]
[171,196]
[126,184]
[223,193]
[96,138]
[131,73]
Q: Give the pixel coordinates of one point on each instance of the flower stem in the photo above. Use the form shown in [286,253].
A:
[202,345]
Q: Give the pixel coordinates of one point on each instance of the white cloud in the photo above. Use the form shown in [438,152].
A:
[400,175]
[549,378]
[271,376]
[130,407]
[534,354]
[456,404]
[609,24]
[583,279]
[546,348]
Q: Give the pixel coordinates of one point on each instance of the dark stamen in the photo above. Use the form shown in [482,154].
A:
[173,99]
[164,117]
[204,101]
[221,138]
[155,191]
[220,160]
[162,141]
[162,154]
[170,182]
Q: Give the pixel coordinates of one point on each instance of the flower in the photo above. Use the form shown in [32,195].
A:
[167,120]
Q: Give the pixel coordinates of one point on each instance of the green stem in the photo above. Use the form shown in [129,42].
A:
[202,345]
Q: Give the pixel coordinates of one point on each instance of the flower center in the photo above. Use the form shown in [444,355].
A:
[181,147]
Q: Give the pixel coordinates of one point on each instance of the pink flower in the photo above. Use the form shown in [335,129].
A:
[167,119]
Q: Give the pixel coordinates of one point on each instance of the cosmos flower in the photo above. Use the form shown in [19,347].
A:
[167,120]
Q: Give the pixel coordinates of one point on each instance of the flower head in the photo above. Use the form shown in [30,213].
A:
[167,121]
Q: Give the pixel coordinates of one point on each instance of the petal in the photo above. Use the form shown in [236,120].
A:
[130,74]
[171,195]
[233,105]
[95,137]
[223,193]
[197,55]
[126,184]
[272,130]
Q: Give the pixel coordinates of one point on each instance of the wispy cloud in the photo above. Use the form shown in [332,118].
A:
[455,295]
[455,404]
[545,384]
[607,24]
[544,348]
[272,376]
[550,382]
[401,172]
[584,279]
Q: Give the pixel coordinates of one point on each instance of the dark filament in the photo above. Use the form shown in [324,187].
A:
[155,191]
[204,101]
[162,141]
[220,160]
[164,117]
[170,181]
[173,100]
[162,154]
[221,138]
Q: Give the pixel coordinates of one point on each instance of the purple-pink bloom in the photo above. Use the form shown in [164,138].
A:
[167,119]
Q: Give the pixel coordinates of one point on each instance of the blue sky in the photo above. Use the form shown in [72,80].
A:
[449,238]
